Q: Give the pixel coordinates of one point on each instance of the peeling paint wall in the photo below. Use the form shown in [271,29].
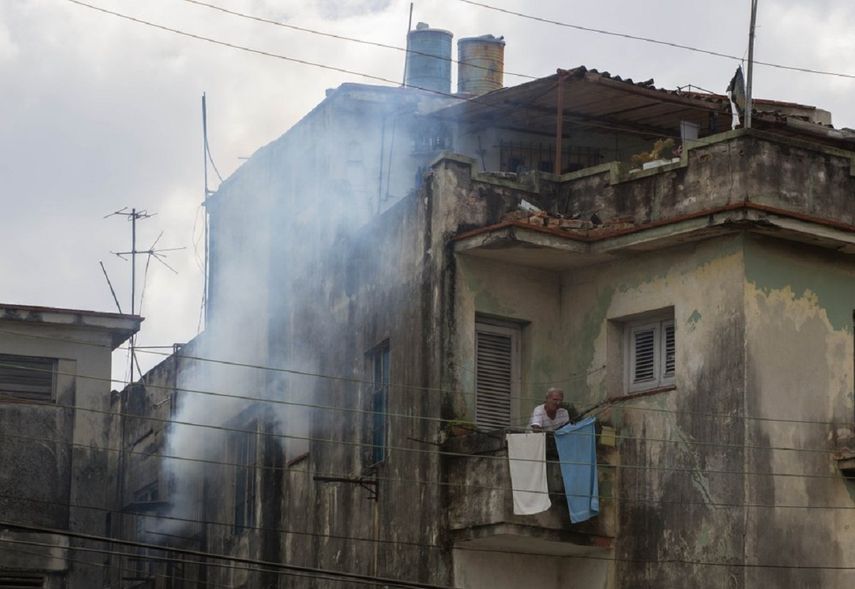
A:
[799,305]
[668,507]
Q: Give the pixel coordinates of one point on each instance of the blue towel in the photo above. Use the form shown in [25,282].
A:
[577,451]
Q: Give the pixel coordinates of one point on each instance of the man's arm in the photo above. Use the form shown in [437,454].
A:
[536,421]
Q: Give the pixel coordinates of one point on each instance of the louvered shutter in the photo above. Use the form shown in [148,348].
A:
[669,350]
[495,373]
[643,355]
[27,377]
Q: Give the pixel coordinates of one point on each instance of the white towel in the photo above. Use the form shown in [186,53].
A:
[527,463]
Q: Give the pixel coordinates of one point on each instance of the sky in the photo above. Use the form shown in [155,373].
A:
[98,113]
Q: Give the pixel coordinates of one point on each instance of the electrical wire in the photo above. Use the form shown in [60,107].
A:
[254,51]
[652,40]
[278,567]
[355,577]
[108,567]
[403,416]
[346,409]
[437,452]
[405,387]
[346,38]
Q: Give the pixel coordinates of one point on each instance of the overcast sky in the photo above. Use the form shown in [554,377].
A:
[98,113]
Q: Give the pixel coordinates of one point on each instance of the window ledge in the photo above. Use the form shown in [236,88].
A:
[645,393]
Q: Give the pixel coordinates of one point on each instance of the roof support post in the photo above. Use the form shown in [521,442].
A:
[559,120]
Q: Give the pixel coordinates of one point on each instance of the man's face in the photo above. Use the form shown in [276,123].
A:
[553,400]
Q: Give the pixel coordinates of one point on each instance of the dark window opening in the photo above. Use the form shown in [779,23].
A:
[243,456]
[378,364]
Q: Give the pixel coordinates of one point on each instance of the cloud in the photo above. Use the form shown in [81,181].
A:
[341,9]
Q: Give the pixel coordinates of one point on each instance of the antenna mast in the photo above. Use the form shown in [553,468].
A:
[133,215]
[407,53]
[749,106]
[205,206]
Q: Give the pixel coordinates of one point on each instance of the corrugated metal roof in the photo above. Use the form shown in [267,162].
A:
[601,100]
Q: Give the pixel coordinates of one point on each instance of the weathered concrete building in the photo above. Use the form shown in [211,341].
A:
[697,298]
[57,425]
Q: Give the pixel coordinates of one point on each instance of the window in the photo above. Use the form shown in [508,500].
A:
[28,378]
[651,350]
[496,373]
[243,455]
[378,364]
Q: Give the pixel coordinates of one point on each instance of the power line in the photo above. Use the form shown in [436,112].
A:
[346,38]
[359,578]
[652,40]
[609,402]
[250,50]
[315,406]
[349,379]
[424,482]
[108,567]
[278,567]
[442,453]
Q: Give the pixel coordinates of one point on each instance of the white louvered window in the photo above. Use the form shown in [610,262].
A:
[651,349]
[496,374]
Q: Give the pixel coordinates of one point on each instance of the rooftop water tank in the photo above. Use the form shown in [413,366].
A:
[429,58]
[481,64]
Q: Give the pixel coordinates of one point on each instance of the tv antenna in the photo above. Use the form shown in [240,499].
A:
[133,216]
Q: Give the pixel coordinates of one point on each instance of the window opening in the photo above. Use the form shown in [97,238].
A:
[651,349]
[244,457]
[378,364]
[28,378]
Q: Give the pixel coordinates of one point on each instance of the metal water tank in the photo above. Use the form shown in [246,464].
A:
[481,64]
[429,58]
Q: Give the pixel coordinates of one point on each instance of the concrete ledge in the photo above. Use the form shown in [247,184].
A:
[32,551]
[530,540]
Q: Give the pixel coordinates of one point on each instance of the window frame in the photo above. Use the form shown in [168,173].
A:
[8,392]
[662,378]
[378,362]
[243,454]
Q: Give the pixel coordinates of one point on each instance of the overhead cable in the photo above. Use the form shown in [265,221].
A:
[652,40]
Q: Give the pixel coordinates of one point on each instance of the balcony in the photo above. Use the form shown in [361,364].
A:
[746,180]
[481,502]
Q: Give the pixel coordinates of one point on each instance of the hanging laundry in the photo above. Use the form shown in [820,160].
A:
[577,451]
[527,463]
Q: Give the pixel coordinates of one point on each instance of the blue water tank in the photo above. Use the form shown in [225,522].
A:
[429,58]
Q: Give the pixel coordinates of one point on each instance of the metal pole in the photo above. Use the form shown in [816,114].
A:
[133,260]
[205,206]
[133,281]
[407,53]
[559,122]
[748,102]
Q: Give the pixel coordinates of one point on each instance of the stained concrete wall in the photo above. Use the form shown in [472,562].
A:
[363,299]
[578,344]
[483,569]
[55,466]
[678,489]
[799,305]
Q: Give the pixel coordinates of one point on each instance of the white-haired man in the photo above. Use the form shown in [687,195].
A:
[550,416]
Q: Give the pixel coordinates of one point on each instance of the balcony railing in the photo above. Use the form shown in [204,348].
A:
[481,500]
